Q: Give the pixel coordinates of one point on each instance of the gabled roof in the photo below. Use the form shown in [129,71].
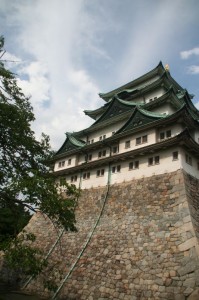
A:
[140,117]
[96,112]
[71,143]
[140,83]
[169,97]
[193,110]
[116,107]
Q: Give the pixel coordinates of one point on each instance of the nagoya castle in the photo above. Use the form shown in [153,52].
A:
[137,167]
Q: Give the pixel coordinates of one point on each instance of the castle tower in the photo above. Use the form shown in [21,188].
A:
[148,126]
[138,214]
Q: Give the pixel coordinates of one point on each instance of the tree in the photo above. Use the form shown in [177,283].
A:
[26,180]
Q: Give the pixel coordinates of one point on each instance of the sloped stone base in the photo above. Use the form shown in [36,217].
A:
[144,247]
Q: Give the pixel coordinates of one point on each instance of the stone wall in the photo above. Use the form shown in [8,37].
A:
[145,245]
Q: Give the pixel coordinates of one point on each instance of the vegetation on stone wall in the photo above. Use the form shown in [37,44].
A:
[26,180]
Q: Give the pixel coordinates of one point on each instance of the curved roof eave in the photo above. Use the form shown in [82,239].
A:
[110,105]
[70,138]
[159,69]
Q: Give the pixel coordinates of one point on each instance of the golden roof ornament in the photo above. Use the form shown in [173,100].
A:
[167,68]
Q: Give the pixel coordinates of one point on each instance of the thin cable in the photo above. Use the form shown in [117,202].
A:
[87,242]
[53,246]
[46,257]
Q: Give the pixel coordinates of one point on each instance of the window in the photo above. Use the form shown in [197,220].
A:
[188,159]
[74,178]
[165,135]
[168,133]
[150,161]
[161,135]
[141,139]
[144,139]
[113,169]
[61,163]
[157,160]
[86,175]
[127,144]
[114,149]
[102,153]
[138,140]
[153,160]
[100,173]
[134,165]
[69,161]
[116,169]
[90,157]
[175,155]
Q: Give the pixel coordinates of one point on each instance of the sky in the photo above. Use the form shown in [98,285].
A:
[66,52]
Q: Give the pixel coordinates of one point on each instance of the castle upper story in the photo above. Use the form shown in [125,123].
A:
[148,126]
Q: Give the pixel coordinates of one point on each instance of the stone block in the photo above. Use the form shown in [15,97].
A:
[189,282]
[179,297]
[188,268]
[188,244]
[194,295]
[188,291]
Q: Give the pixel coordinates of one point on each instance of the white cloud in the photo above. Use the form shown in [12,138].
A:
[49,32]
[153,38]
[193,69]
[37,85]
[62,40]
[186,54]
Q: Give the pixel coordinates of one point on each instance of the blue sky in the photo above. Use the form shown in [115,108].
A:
[67,52]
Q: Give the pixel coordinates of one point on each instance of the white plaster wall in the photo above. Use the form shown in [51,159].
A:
[155,93]
[66,166]
[94,155]
[105,131]
[151,139]
[81,158]
[175,130]
[190,169]
[165,109]
[166,165]
[95,181]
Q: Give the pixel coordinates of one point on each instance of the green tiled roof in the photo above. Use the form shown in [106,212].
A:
[115,107]
[133,84]
[139,118]
[151,114]
[71,143]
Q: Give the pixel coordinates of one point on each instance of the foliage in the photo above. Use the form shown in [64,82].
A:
[31,262]
[12,221]
[26,180]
